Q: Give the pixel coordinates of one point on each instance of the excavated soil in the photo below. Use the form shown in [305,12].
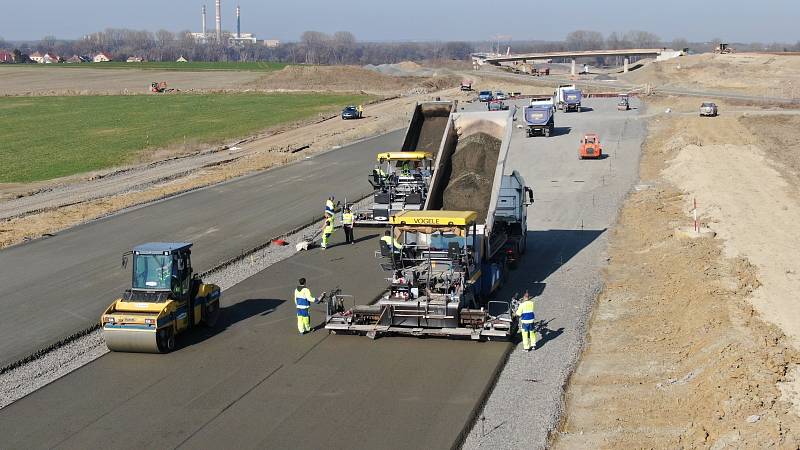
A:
[473,166]
[677,355]
[745,73]
[349,79]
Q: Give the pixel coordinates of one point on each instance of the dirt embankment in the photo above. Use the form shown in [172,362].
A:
[349,79]
[744,73]
[678,356]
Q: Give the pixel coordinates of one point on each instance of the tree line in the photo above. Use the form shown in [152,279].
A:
[342,47]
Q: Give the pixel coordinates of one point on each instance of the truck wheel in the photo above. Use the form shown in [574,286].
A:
[547,132]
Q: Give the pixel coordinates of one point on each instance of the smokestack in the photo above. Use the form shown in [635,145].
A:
[238,22]
[219,20]
[204,20]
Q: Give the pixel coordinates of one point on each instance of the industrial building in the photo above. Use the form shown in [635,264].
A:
[220,36]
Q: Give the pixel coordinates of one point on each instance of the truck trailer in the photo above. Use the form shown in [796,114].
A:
[445,262]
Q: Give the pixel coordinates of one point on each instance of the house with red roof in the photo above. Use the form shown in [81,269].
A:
[102,57]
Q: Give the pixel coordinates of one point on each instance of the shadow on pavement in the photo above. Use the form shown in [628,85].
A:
[229,316]
[560,131]
[545,333]
[547,251]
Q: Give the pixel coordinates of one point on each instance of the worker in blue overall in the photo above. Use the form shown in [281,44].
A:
[302,301]
[526,318]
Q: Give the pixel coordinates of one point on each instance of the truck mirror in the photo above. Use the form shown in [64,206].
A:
[124,261]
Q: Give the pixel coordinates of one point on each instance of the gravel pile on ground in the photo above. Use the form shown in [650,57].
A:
[21,381]
[470,184]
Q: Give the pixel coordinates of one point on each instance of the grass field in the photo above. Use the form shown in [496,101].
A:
[188,66]
[50,137]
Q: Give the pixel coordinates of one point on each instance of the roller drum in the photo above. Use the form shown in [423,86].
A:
[131,340]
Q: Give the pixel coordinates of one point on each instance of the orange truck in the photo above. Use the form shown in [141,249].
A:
[590,147]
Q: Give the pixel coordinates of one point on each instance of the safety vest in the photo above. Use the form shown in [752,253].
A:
[329,206]
[525,311]
[347,218]
[328,226]
[302,298]
[391,242]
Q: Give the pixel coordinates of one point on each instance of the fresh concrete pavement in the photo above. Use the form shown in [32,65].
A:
[57,286]
[252,382]
[255,383]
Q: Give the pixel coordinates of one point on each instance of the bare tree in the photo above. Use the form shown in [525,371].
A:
[585,40]
[643,39]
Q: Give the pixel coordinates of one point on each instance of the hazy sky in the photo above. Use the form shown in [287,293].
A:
[392,20]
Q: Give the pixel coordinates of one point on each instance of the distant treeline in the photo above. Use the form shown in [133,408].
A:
[341,47]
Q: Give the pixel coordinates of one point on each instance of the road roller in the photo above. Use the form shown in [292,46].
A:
[165,299]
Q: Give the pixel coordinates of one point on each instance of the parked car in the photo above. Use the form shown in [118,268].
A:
[351,112]
[485,96]
[708,109]
[500,95]
[496,105]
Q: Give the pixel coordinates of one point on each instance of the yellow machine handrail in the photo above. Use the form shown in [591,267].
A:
[404,156]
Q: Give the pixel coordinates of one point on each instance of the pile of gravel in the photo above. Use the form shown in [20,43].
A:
[473,167]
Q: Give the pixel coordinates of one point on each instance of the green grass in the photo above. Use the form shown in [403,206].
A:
[50,137]
[187,67]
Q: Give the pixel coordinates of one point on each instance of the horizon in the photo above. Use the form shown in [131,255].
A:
[772,23]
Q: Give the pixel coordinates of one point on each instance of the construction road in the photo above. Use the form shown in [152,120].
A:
[57,286]
[254,383]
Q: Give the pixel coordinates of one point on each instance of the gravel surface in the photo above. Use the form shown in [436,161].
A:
[576,202]
[21,381]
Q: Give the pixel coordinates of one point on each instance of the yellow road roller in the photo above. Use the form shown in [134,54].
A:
[165,299]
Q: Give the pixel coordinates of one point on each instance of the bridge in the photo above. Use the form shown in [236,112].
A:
[498,59]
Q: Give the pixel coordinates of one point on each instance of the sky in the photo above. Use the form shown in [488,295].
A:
[414,20]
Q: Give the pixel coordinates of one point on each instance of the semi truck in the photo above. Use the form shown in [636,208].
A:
[400,179]
[445,264]
[568,98]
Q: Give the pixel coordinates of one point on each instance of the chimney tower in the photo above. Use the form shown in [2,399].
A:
[219,20]
[238,22]
[204,21]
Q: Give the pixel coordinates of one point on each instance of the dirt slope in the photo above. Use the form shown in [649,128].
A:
[678,356]
[745,73]
[347,78]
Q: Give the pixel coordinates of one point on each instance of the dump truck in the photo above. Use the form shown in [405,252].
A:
[400,179]
[165,300]
[540,120]
[466,85]
[450,259]
[568,98]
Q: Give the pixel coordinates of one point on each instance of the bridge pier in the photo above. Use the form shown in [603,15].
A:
[625,65]
[573,67]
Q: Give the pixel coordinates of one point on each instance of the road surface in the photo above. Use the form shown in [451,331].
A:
[256,383]
[55,287]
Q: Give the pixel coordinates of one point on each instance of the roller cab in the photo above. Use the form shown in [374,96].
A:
[165,299]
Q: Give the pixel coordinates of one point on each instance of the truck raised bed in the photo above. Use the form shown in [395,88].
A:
[400,179]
